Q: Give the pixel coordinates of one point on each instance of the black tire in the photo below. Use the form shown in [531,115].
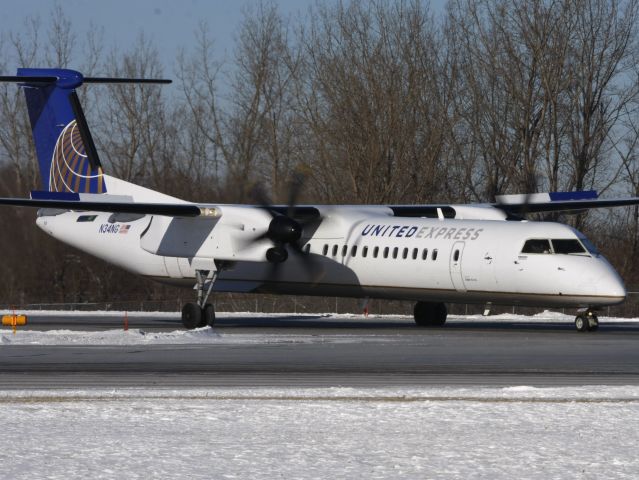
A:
[581,323]
[208,316]
[593,324]
[440,313]
[421,314]
[428,314]
[191,316]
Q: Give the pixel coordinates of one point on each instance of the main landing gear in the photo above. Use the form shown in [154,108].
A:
[430,314]
[200,314]
[586,321]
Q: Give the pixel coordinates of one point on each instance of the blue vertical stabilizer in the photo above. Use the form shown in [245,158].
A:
[66,154]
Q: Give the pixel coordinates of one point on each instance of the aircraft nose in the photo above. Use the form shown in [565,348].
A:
[610,284]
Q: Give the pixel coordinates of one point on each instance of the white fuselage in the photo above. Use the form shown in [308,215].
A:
[356,253]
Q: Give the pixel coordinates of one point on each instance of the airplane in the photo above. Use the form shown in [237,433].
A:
[429,254]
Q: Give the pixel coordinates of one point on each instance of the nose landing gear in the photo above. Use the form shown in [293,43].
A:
[200,314]
[586,321]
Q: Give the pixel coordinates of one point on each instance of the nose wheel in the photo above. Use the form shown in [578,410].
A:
[586,322]
[200,314]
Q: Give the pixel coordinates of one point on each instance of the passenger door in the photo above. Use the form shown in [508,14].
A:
[456,277]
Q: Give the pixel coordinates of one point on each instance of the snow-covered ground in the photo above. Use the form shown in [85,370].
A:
[25,336]
[265,433]
[451,433]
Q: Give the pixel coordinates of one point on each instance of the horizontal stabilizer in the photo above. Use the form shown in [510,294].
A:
[44,79]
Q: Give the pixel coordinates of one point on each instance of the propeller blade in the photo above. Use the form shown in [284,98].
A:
[310,262]
[295,186]
[273,272]
[245,243]
[261,198]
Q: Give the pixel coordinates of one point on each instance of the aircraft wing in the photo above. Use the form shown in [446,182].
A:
[168,209]
[124,204]
[558,202]
[510,204]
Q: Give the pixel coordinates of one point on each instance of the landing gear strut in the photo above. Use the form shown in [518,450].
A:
[586,321]
[430,314]
[200,314]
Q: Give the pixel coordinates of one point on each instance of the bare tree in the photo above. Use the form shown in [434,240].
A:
[604,40]
[369,96]
[131,120]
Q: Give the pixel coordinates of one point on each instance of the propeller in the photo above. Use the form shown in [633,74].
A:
[519,212]
[285,230]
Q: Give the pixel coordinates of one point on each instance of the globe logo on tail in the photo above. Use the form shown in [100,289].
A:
[71,169]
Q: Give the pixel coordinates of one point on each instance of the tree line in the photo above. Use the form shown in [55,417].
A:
[372,102]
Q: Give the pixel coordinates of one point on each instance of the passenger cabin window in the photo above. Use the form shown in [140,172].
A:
[415,253]
[325,250]
[354,251]
[364,251]
[434,255]
[568,247]
[385,252]
[395,250]
[334,250]
[536,246]
[375,252]
[425,254]
[405,254]
[86,218]
[456,256]
[344,250]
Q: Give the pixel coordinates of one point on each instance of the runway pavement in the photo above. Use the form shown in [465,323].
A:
[350,352]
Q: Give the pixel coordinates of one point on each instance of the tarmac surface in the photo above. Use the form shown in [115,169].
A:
[354,352]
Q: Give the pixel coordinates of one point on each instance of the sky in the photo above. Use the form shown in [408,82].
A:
[169,24]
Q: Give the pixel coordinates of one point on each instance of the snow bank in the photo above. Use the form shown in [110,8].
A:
[204,335]
[542,317]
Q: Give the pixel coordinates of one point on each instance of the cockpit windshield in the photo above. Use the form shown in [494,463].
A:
[536,246]
[562,246]
[568,247]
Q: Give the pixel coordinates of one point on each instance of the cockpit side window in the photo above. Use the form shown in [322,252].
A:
[568,246]
[536,246]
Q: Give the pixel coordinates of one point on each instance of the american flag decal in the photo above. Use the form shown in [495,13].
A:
[125,229]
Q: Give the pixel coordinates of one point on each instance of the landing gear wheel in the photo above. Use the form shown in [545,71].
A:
[587,322]
[430,314]
[581,323]
[191,316]
[208,316]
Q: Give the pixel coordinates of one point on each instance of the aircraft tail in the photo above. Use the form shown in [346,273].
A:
[67,157]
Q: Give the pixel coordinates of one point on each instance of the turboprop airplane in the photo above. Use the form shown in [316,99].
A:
[429,254]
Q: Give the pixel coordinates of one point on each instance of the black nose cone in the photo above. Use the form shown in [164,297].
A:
[284,229]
